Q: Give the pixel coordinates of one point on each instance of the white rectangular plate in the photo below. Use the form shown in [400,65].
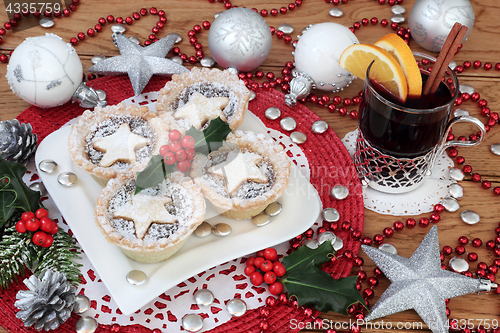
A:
[301,207]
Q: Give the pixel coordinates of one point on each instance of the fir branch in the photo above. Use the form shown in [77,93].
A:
[61,256]
[12,251]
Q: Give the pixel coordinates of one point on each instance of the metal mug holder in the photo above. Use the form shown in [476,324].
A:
[390,174]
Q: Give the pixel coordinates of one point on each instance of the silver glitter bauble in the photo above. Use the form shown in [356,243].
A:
[17,143]
[48,303]
[419,283]
[241,38]
[140,63]
[431,21]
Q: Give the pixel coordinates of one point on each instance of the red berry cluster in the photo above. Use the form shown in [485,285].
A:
[270,269]
[40,224]
[180,151]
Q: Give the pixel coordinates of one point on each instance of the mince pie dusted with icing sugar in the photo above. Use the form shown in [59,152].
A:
[244,176]
[153,224]
[196,97]
[117,139]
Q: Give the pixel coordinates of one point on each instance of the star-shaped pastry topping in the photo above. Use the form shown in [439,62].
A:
[200,109]
[145,209]
[238,168]
[140,63]
[419,283]
[120,146]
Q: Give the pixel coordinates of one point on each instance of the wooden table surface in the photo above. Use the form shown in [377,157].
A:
[483,45]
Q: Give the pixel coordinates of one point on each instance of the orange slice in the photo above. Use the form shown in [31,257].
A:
[385,69]
[402,52]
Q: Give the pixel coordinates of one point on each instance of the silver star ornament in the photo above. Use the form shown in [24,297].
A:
[419,283]
[140,63]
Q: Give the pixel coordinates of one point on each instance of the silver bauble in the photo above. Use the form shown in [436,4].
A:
[430,21]
[240,38]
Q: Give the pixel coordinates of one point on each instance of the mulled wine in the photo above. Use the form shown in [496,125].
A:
[407,129]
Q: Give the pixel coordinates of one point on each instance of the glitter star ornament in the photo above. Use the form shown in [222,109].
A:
[145,209]
[140,63]
[419,283]
[238,168]
[200,109]
[120,146]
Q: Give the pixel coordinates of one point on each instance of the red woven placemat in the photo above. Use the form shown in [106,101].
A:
[329,162]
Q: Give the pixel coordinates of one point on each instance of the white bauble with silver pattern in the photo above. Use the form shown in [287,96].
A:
[46,71]
[316,59]
[430,21]
[239,38]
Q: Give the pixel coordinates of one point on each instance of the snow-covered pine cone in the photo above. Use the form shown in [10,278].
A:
[17,143]
[48,303]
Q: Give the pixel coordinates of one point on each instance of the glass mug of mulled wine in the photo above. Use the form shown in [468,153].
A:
[397,144]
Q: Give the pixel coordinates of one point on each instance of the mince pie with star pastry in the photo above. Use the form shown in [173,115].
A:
[244,176]
[196,97]
[152,225]
[117,139]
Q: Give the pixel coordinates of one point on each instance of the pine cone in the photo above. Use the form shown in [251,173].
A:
[17,143]
[48,303]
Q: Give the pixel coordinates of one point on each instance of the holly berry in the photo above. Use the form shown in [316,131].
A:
[174,146]
[174,135]
[250,261]
[33,224]
[46,224]
[256,278]
[40,238]
[55,229]
[249,270]
[41,212]
[184,166]
[21,226]
[269,277]
[187,141]
[270,254]
[276,288]
[49,241]
[258,261]
[279,269]
[266,266]
[260,253]
[169,158]
[180,155]
[26,216]
[164,150]
[190,153]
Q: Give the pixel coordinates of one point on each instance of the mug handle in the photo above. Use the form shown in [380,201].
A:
[462,119]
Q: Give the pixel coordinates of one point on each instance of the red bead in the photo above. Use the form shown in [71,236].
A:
[73,41]
[274,12]
[287,39]
[423,222]
[7,26]
[460,159]
[110,18]
[497,66]
[372,282]
[98,27]
[3,58]
[368,293]
[283,10]
[291,6]
[153,11]
[384,22]
[197,28]
[472,256]
[72,7]
[374,20]
[388,232]
[467,64]
[480,272]
[366,241]
[263,13]
[377,272]
[362,275]
[298,3]
[143,11]
[453,152]
[2,32]
[411,223]
[192,60]
[486,184]
[91,32]
[476,242]
[475,96]
[356,25]
[378,239]
[81,36]
[358,261]
[161,13]
[280,34]
[365,21]
[115,328]
[477,64]
[183,56]
[441,257]
[342,111]
[488,66]
[460,250]
[490,245]
[459,69]
[476,177]
[136,16]
[394,26]
[496,190]
[496,262]
[467,169]
[271,301]
[119,20]
[227,5]
[493,269]
[435,218]
[447,250]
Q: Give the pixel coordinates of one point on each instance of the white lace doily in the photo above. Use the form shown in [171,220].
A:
[226,281]
[421,200]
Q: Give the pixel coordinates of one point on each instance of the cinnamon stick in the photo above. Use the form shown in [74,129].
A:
[445,50]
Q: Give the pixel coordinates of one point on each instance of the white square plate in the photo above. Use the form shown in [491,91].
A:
[301,207]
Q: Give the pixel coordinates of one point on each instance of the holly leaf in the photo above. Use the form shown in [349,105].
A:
[304,255]
[210,138]
[314,287]
[7,196]
[25,198]
[154,173]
